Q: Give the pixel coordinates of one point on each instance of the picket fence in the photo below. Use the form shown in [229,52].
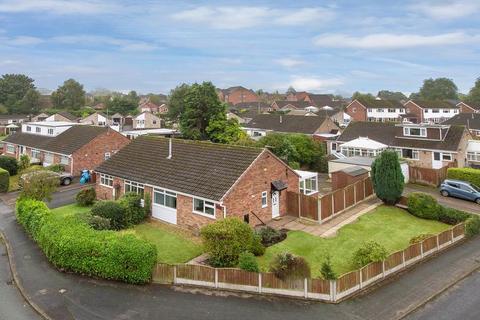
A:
[316,289]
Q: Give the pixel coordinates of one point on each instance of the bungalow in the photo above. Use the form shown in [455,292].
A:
[193,183]
[11,122]
[40,117]
[469,120]
[262,124]
[148,106]
[76,147]
[96,119]
[146,120]
[63,116]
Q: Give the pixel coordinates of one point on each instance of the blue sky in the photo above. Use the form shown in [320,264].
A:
[320,46]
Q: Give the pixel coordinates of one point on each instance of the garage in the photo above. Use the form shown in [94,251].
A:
[164,205]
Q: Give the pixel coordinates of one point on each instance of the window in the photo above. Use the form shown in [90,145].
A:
[165,198]
[38,129]
[380,110]
[455,111]
[415,132]
[203,207]
[264,199]
[354,110]
[446,111]
[106,180]
[136,187]
[308,186]
[391,110]
[106,156]
[50,131]
[426,110]
[10,148]
[369,110]
[446,156]
[48,159]
[64,160]
[473,156]
[35,154]
[257,134]
[154,121]
[435,111]
[410,154]
[29,128]
[334,147]
[402,110]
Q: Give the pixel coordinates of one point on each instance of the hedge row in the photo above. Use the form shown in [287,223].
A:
[71,244]
[4,180]
[466,174]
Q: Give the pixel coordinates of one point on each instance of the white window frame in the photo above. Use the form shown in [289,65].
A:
[448,155]
[36,154]
[307,189]
[106,180]
[107,156]
[62,160]
[133,185]
[49,156]
[10,148]
[407,132]
[264,199]
[415,153]
[38,130]
[206,204]
[29,128]
[50,131]
[164,193]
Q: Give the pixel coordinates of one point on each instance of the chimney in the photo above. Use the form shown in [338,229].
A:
[280,118]
[169,148]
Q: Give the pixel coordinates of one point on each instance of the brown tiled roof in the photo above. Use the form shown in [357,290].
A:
[450,143]
[296,104]
[286,123]
[65,143]
[470,120]
[436,104]
[68,115]
[375,104]
[201,169]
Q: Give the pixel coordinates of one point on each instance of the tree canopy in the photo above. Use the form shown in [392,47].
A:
[438,89]
[70,95]
[363,96]
[13,89]
[176,101]
[391,95]
[473,96]
[123,104]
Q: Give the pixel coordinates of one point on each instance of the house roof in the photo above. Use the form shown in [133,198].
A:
[382,132]
[250,105]
[469,120]
[364,143]
[375,104]
[235,88]
[67,115]
[65,143]
[296,104]
[473,106]
[202,169]
[286,123]
[13,116]
[436,104]
[321,100]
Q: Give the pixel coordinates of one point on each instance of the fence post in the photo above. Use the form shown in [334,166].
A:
[305,288]
[259,282]
[403,258]
[319,209]
[361,277]
[344,198]
[438,243]
[383,268]
[299,205]
[333,290]
[365,188]
[333,204]
[355,193]
[451,231]
[421,249]
[174,274]
[216,278]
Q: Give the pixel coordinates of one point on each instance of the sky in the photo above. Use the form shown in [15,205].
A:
[319,46]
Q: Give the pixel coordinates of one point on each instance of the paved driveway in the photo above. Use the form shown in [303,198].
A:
[446,201]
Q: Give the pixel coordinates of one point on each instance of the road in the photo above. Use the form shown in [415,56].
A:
[459,302]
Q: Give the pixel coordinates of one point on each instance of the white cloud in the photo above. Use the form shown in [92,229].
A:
[447,10]
[89,40]
[20,41]
[391,41]
[314,84]
[57,6]
[290,62]
[239,17]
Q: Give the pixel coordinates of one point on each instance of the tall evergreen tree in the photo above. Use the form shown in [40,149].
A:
[387,177]
[473,96]
[70,95]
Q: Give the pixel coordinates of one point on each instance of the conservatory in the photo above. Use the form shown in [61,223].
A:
[362,147]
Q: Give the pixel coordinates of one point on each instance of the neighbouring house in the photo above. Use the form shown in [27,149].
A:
[260,107]
[473,154]
[96,119]
[469,120]
[193,183]
[292,105]
[376,110]
[322,100]
[100,106]
[11,122]
[468,108]
[146,120]
[431,111]
[76,147]
[423,145]
[133,134]
[39,117]
[117,120]
[238,94]
[148,106]
[231,115]
[296,96]
[63,116]
[263,124]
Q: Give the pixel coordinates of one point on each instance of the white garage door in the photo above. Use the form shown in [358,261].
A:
[164,206]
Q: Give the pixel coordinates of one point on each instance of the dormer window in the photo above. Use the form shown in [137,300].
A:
[414,132]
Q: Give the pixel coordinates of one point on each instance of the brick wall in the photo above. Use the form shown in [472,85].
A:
[465,108]
[241,95]
[411,107]
[357,111]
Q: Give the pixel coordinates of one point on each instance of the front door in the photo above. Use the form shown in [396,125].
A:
[275,204]
[437,160]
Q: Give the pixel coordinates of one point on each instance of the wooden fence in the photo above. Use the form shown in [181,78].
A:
[428,176]
[329,205]
[317,289]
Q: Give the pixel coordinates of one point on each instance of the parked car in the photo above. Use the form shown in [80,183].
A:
[460,189]
[64,178]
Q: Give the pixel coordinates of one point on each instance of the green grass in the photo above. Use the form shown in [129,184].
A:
[70,209]
[390,226]
[13,182]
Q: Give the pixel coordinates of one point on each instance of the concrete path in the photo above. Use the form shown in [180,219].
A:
[69,296]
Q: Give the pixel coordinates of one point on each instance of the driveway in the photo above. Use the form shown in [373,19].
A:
[446,201]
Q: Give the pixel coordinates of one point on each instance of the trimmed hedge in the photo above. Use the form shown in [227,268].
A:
[466,174]
[71,244]
[86,197]
[112,211]
[4,180]
[10,164]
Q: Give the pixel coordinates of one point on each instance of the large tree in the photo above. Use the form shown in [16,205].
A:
[30,103]
[391,95]
[124,104]
[13,87]
[222,130]
[438,89]
[474,94]
[176,101]
[387,177]
[363,96]
[70,96]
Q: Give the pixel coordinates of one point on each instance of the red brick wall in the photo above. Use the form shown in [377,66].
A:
[411,107]
[241,95]
[465,108]
[357,111]
[93,153]
[246,195]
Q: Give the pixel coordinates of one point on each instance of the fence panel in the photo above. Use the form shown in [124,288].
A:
[348,281]
[459,230]
[372,271]
[349,196]
[445,237]
[270,281]
[237,276]
[339,201]
[293,204]
[429,244]
[368,187]
[196,272]
[359,191]
[326,203]
[163,273]
[394,260]
[309,207]
[319,286]
[413,251]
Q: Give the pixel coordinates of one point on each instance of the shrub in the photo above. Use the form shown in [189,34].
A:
[134,212]
[71,244]
[24,162]
[10,164]
[39,185]
[99,223]
[4,180]
[247,262]
[56,168]
[466,174]
[387,177]
[452,216]
[113,211]
[271,236]
[472,226]
[148,204]
[326,269]
[288,266]
[369,252]
[420,238]
[225,239]
[423,206]
[257,247]
[86,197]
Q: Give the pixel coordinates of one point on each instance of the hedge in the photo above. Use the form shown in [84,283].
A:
[466,174]
[4,180]
[71,244]
[10,164]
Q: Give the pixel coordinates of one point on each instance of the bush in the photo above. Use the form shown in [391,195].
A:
[4,180]
[452,216]
[225,239]
[271,236]
[247,262]
[148,204]
[288,266]
[71,244]
[257,247]
[466,174]
[134,212]
[56,168]
[472,226]
[86,197]
[113,211]
[10,164]
[326,269]
[420,238]
[24,162]
[369,252]
[424,206]
[39,185]
[387,177]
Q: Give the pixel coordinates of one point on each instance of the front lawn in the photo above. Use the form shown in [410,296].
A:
[390,226]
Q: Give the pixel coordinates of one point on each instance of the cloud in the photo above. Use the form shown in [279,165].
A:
[314,84]
[239,17]
[391,41]
[57,6]
[289,62]
[90,40]
[22,41]
[447,10]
